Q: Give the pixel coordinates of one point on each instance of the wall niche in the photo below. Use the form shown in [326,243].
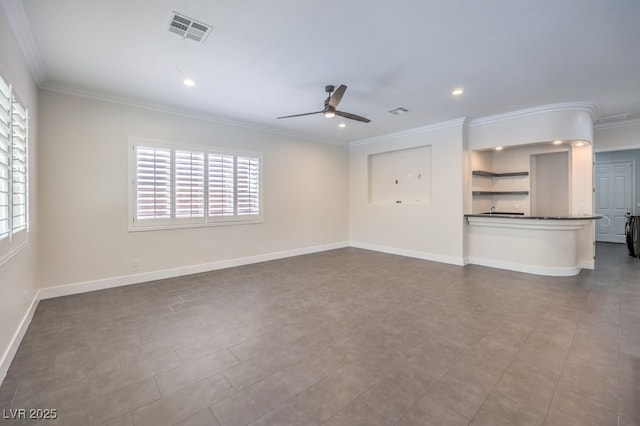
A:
[400,177]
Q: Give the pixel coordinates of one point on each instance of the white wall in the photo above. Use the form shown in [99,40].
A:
[85,185]
[18,281]
[617,136]
[433,231]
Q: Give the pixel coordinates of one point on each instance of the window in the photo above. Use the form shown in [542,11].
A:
[19,167]
[14,186]
[175,186]
[5,158]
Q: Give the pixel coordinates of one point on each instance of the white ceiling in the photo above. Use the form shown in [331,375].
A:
[270,58]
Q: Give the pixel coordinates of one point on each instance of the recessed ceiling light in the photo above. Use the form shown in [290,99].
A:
[557,142]
[342,125]
[457,92]
[189,82]
[498,148]
[580,144]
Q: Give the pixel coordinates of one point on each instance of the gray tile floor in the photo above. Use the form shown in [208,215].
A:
[345,337]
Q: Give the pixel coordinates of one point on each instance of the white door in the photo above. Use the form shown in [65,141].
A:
[614,189]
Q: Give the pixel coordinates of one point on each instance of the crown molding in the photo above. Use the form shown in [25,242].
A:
[22,32]
[567,106]
[458,122]
[614,124]
[150,106]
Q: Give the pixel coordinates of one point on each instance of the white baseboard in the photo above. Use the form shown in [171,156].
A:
[452,260]
[588,264]
[83,287]
[529,269]
[14,344]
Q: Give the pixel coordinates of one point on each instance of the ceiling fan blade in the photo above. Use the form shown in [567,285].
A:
[300,115]
[352,116]
[334,100]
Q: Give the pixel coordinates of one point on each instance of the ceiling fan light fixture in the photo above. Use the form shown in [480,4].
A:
[330,104]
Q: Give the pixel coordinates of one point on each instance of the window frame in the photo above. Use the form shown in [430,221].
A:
[16,238]
[175,222]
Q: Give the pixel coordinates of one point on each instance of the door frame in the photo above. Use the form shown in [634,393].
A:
[633,181]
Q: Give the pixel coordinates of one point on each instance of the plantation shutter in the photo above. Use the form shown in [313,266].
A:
[5,156]
[20,129]
[248,186]
[175,186]
[190,192]
[221,185]
[153,183]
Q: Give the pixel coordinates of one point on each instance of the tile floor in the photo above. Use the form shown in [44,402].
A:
[345,337]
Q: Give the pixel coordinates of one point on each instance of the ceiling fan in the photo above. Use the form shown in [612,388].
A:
[330,105]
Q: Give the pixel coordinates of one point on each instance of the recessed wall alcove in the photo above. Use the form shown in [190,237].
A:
[400,177]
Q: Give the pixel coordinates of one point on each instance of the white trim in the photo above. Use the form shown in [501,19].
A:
[529,269]
[82,287]
[452,260]
[14,343]
[568,106]
[615,148]
[12,252]
[614,124]
[22,32]
[537,224]
[415,131]
[140,104]
[587,264]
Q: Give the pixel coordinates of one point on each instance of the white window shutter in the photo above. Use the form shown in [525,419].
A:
[176,187]
[153,183]
[221,185]
[5,157]
[248,186]
[189,184]
[20,128]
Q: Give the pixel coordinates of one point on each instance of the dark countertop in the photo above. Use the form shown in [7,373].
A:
[519,216]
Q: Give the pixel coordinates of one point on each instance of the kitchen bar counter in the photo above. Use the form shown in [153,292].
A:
[522,216]
[542,245]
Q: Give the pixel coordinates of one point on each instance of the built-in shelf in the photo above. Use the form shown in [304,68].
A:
[492,175]
[500,192]
[482,173]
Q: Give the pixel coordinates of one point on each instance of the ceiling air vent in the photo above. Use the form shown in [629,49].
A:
[397,111]
[188,28]
[612,118]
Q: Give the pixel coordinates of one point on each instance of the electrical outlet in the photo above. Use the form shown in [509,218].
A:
[135,262]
